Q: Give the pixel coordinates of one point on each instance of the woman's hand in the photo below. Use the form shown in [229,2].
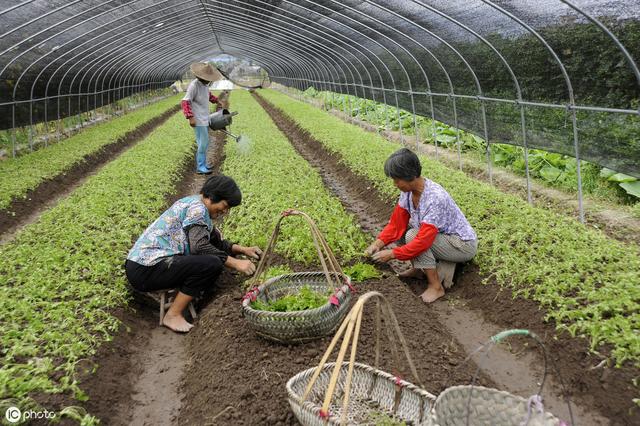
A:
[252,252]
[383,256]
[374,247]
[192,121]
[242,265]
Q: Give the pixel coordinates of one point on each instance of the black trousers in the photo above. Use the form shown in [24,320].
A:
[193,275]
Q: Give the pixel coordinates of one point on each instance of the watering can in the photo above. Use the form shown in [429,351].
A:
[220,119]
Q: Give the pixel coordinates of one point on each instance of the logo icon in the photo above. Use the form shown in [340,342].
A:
[13,415]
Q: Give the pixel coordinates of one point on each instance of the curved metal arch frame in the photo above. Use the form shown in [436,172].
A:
[35,45]
[351,41]
[108,63]
[325,31]
[146,65]
[307,65]
[303,71]
[292,40]
[307,68]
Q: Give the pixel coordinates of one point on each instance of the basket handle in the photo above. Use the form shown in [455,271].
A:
[494,340]
[351,327]
[330,265]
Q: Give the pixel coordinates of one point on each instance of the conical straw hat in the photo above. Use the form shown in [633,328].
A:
[205,71]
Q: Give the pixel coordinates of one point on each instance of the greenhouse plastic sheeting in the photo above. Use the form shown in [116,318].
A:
[551,74]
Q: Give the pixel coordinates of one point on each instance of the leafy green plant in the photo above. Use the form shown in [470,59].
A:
[62,275]
[305,299]
[21,174]
[586,282]
[380,418]
[274,271]
[273,177]
[361,272]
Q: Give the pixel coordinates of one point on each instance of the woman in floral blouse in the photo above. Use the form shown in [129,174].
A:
[182,249]
[432,231]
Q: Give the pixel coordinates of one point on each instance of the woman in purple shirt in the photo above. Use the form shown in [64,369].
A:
[432,231]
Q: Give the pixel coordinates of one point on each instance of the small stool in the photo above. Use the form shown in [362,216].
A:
[165,299]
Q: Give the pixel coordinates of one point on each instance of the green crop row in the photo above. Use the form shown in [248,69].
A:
[61,276]
[273,177]
[21,174]
[550,168]
[588,283]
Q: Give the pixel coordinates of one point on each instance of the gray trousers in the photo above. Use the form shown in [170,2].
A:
[447,248]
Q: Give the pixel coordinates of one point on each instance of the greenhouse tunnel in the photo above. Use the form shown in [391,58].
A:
[552,74]
[522,123]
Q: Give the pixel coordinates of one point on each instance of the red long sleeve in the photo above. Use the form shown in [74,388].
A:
[212,98]
[186,109]
[426,235]
[396,227]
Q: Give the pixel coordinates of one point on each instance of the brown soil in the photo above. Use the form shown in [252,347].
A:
[235,377]
[607,389]
[38,199]
[137,375]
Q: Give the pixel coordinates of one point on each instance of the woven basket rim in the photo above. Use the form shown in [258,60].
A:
[246,303]
[345,364]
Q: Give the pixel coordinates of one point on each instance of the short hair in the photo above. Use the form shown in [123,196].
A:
[403,164]
[221,187]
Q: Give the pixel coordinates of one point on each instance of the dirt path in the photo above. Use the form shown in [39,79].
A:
[467,321]
[156,398]
[235,377]
[138,375]
[21,212]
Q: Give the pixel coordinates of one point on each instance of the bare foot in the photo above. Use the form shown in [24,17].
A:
[432,294]
[176,323]
[411,273]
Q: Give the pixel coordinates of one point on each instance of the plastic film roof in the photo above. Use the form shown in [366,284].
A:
[552,74]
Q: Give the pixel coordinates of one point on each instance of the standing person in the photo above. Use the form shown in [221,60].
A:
[434,234]
[195,106]
[182,249]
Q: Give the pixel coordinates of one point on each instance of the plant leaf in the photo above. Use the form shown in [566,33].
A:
[632,188]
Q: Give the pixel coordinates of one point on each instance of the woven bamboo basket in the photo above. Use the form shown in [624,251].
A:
[297,326]
[476,405]
[306,325]
[358,394]
[373,391]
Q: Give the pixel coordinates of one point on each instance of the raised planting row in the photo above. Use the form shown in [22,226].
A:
[273,177]
[62,275]
[588,283]
[24,173]
[551,168]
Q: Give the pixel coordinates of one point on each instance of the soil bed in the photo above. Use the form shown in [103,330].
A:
[138,373]
[14,216]
[606,389]
[235,377]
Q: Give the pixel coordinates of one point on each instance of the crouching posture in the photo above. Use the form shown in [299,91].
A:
[430,228]
[183,250]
